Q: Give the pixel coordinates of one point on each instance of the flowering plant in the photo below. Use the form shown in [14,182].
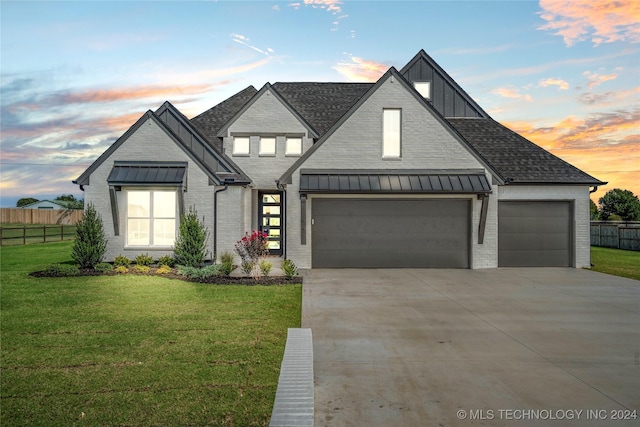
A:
[251,247]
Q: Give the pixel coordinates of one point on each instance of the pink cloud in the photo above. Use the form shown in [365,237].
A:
[602,21]
[361,70]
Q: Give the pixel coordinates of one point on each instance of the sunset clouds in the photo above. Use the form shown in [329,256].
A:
[600,21]
[357,69]
[76,75]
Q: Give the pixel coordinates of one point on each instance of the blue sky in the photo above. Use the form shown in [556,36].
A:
[75,75]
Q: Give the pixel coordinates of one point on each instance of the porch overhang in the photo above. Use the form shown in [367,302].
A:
[145,174]
[381,181]
[403,182]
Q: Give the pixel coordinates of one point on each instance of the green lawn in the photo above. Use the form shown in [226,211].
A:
[616,261]
[135,350]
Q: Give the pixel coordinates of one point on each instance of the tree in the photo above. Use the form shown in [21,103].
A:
[191,245]
[70,201]
[90,244]
[25,201]
[593,210]
[622,203]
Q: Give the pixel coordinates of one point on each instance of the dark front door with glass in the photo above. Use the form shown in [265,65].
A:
[270,220]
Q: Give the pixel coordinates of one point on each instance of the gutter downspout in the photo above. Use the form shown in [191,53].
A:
[595,188]
[215,221]
[283,188]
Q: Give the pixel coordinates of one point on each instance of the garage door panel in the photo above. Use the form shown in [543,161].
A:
[534,233]
[362,233]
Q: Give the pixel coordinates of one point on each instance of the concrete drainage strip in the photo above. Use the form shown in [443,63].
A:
[293,406]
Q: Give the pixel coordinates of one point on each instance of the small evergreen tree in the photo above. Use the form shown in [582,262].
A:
[90,244]
[191,245]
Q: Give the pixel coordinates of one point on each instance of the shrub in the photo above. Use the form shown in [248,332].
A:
[163,269]
[103,267]
[289,268]
[265,267]
[143,269]
[90,244]
[226,257]
[226,268]
[250,248]
[144,259]
[191,245]
[166,260]
[247,267]
[63,270]
[121,261]
[121,269]
[199,273]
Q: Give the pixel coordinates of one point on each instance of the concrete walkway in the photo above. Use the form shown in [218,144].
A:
[511,347]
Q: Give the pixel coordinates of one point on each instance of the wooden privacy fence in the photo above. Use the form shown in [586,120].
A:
[27,233]
[616,234]
[40,216]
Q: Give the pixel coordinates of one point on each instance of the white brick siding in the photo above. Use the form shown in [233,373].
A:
[578,194]
[357,144]
[266,116]
[148,143]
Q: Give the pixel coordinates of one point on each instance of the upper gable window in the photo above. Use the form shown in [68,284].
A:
[423,88]
[391,139]
[267,146]
[293,147]
[240,145]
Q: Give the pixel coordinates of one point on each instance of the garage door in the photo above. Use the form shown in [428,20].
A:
[535,234]
[367,233]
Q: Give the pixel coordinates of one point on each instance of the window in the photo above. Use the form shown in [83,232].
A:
[151,218]
[267,146]
[423,88]
[391,133]
[241,146]
[294,147]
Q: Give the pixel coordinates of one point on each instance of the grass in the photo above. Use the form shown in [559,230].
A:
[616,261]
[136,350]
[18,234]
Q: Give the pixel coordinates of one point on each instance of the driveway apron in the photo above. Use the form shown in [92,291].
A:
[513,347]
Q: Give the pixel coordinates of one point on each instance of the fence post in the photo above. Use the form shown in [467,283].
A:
[24,235]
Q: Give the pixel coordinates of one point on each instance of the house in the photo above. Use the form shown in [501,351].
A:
[408,171]
[45,204]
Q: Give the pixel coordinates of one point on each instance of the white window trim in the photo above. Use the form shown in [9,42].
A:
[385,151]
[235,151]
[287,151]
[264,153]
[151,218]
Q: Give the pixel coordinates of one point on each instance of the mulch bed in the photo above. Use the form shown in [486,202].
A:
[217,280]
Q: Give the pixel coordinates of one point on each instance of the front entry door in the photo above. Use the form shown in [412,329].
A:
[270,220]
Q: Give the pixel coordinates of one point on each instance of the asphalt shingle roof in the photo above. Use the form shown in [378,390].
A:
[514,157]
[322,104]
[212,120]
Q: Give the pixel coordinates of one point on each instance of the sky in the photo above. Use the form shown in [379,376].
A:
[74,76]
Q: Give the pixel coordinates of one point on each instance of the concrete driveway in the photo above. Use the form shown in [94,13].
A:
[513,347]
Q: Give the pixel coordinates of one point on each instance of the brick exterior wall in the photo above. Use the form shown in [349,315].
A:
[357,144]
[578,194]
[148,143]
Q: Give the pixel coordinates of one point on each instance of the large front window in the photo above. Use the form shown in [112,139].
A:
[151,218]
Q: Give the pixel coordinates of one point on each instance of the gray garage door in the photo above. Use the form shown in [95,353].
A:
[366,233]
[535,234]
